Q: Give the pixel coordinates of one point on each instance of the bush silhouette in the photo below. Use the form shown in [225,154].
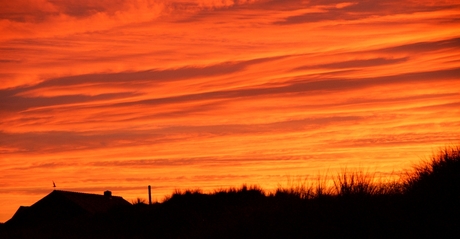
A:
[438,177]
[423,204]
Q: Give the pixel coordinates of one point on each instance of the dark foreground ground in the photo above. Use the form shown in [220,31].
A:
[424,204]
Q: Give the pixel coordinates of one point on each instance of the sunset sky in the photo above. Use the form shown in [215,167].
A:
[117,94]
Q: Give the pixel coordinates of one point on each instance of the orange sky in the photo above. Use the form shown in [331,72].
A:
[121,94]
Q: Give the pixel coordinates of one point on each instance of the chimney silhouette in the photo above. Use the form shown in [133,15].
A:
[108,194]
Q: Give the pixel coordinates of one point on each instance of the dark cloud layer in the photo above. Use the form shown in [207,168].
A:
[308,85]
[12,102]
[424,47]
[359,10]
[355,63]
[11,99]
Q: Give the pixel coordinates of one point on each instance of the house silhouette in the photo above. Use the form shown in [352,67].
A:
[65,205]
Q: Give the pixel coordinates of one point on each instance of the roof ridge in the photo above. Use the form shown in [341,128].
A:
[64,191]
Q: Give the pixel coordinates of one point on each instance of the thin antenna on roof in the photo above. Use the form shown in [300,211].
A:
[54,185]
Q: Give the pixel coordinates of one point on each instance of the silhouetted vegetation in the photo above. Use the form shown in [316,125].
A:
[424,203]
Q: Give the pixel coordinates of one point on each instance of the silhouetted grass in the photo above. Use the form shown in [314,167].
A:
[139,201]
[423,203]
[439,176]
[344,184]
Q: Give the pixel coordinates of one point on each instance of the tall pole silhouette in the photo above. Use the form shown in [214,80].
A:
[150,195]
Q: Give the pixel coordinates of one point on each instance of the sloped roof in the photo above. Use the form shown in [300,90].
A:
[21,211]
[65,205]
[92,203]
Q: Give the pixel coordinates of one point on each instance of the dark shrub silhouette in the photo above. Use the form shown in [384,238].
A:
[439,177]
[423,204]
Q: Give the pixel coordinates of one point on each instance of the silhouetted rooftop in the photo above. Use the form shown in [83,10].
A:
[92,203]
[62,205]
